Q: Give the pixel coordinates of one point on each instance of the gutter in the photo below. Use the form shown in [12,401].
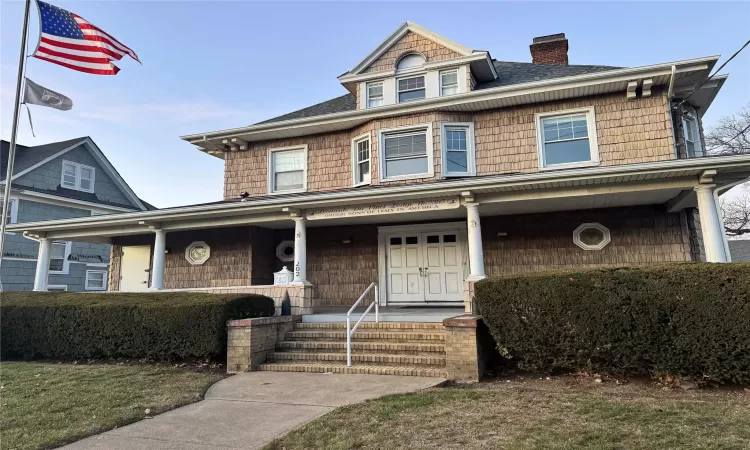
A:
[275,204]
[629,73]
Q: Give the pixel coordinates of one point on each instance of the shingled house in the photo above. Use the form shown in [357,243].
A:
[440,166]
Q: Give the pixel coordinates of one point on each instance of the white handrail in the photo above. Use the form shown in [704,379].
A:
[350,331]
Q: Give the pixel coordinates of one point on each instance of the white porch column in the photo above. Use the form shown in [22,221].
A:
[712,227]
[300,250]
[476,255]
[157,267]
[42,265]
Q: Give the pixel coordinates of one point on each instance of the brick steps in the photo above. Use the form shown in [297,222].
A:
[435,360]
[355,369]
[412,349]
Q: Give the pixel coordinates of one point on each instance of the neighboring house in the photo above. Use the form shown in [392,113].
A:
[61,180]
[440,166]
[740,250]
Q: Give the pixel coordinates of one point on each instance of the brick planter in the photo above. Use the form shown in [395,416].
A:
[249,341]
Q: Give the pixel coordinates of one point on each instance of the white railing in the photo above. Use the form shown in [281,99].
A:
[349,330]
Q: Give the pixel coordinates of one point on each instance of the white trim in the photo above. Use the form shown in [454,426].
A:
[78,167]
[471,165]
[430,149]
[87,285]
[13,211]
[66,262]
[55,287]
[407,76]
[45,160]
[356,162]
[13,258]
[367,93]
[663,169]
[591,132]
[270,173]
[69,202]
[606,236]
[94,264]
[441,85]
[692,118]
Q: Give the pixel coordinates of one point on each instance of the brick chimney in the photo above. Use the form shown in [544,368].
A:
[552,49]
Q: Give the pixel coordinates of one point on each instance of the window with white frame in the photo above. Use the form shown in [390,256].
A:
[692,136]
[77,176]
[287,169]
[374,94]
[361,159]
[12,210]
[96,280]
[449,82]
[567,139]
[411,88]
[457,149]
[58,257]
[407,153]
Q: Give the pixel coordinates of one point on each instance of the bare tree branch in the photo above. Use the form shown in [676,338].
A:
[737,213]
[731,136]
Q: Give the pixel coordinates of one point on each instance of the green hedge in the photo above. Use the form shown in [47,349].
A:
[680,319]
[54,325]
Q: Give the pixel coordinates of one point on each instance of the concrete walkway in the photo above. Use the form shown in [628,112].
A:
[248,410]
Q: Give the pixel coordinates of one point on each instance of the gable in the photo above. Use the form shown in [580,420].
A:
[411,43]
[47,177]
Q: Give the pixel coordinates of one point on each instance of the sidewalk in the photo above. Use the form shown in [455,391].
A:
[248,410]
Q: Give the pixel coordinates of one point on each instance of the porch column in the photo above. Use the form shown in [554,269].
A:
[712,227]
[476,255]
[42,265]
[300,250]
[157,267]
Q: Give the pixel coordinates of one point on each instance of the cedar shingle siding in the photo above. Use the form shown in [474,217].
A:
[411,43]
[634,131]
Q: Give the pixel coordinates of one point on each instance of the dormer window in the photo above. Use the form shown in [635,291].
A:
[77,176]
[449,82]
[374,94]
[411,88]
[410,62]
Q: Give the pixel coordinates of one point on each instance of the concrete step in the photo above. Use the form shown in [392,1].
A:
[363,346]
[387,326]
[362,335]
[376,359]
[355,369]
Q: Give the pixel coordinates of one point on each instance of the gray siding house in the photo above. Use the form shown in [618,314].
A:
[61,180]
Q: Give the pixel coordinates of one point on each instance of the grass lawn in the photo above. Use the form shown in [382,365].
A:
[48,404]
[561,413]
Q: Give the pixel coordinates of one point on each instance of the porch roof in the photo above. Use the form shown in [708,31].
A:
[673,179]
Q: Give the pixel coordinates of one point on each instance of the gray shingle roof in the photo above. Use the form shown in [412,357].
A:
[29,156]
[740,250]
[508,73]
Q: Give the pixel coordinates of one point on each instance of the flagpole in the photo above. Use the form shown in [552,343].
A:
[14,132]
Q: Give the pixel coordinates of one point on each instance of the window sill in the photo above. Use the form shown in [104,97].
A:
[295,191]
[95,289]
[458,175]
[78,189]
[420,176]
[570,166]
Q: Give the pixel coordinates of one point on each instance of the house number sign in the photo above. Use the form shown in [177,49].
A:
[375,209]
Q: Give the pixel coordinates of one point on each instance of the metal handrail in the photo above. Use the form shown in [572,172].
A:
[349,330]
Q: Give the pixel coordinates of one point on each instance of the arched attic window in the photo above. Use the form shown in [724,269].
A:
[410,61]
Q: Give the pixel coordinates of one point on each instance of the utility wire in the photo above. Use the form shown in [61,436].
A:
[730,140]
[714,74]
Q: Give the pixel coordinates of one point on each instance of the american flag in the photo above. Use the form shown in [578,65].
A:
[70,41]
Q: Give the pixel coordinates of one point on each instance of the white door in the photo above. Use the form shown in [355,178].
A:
[443,267]
[404,262]
[135,268]
[424,267]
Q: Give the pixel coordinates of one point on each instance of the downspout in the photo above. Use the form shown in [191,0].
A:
[670,94]
[717,193]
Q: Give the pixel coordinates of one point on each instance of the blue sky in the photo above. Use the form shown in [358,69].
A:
[210,65]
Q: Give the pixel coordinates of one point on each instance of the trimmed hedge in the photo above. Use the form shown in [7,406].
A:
[132,325]
[677,319]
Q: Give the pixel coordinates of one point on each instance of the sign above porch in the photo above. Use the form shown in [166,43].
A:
[376,209]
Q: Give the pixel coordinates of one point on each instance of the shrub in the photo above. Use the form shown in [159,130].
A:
[60,325]
[681,319]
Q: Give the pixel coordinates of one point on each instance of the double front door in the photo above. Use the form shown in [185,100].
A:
[424,267]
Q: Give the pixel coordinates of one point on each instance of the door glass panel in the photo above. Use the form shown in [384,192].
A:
[411,240]
[449,238]
[395,241]
[433,239]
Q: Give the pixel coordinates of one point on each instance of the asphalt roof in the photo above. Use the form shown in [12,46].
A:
[740,250]
[508,73]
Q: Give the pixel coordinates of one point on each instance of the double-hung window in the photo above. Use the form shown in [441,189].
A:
[375,94]
[287,169]
[567,139]
[411,88]
[12,210]
[96,280]
[457,149]
[692,136]
[406,153]
[77,176]
[361,159]
[449,82]
[58,257]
